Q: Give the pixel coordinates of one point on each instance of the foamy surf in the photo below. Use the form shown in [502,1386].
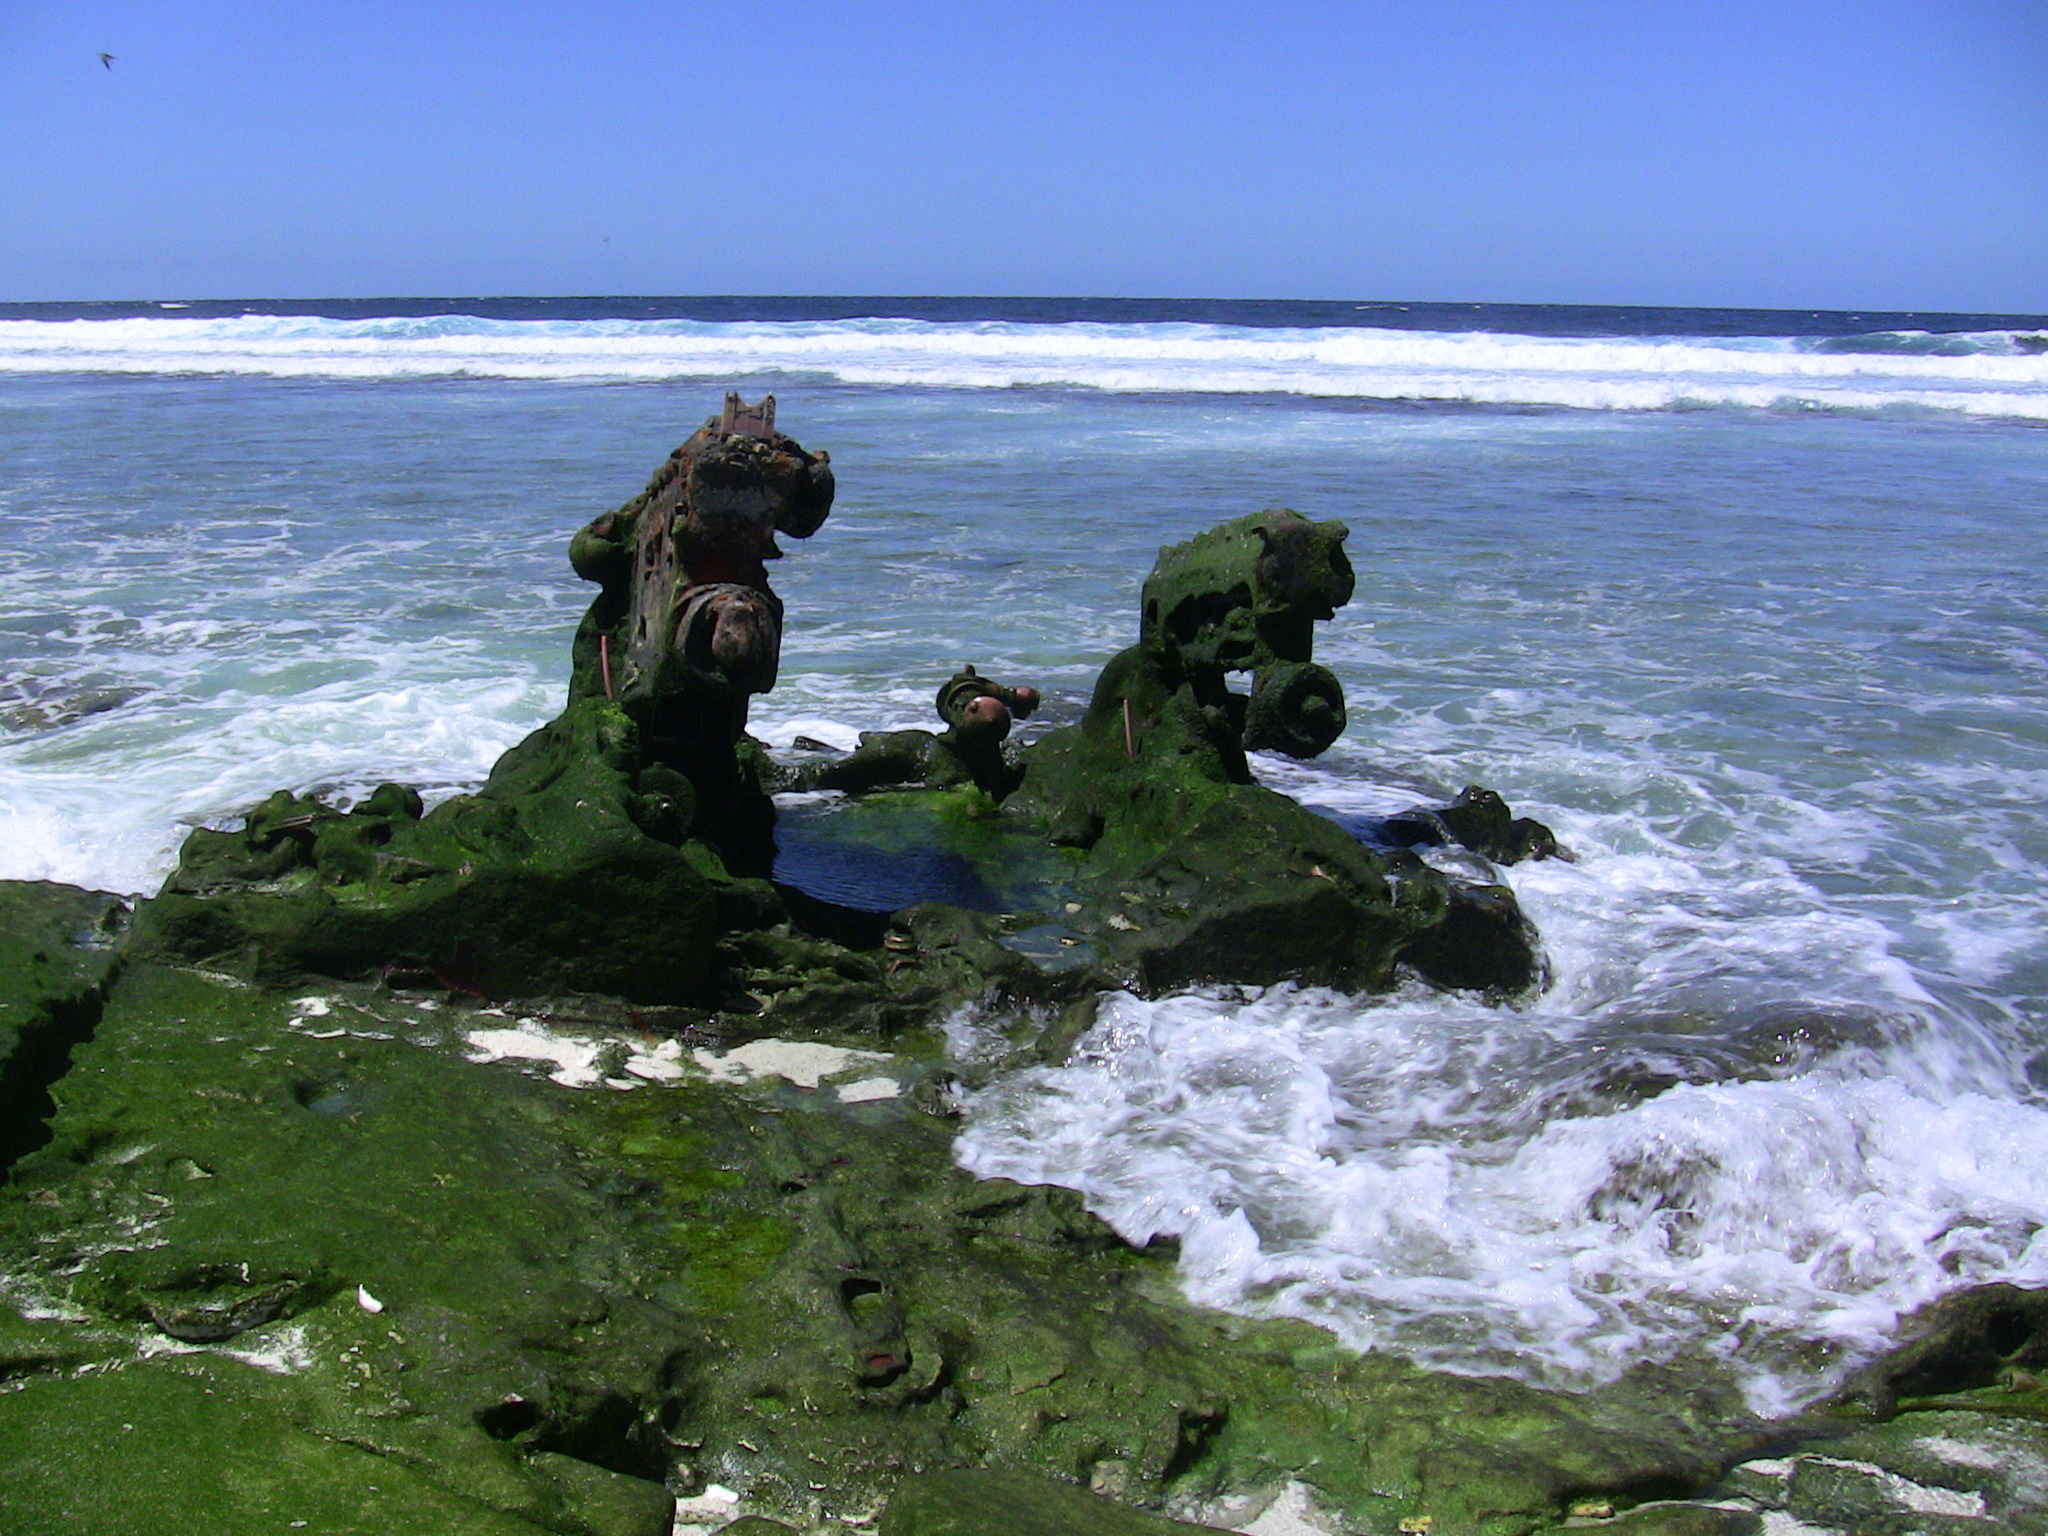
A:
[1987,374]
[1352,1166]
[1737,1130]
[190,763]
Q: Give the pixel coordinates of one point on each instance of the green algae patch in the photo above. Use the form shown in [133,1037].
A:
[563,873]
[723,1261]
[399,1232]
[548,1303]
[56,951]
[150,1448]
[236,1141]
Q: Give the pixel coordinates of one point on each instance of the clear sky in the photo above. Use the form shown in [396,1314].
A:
[1786,153]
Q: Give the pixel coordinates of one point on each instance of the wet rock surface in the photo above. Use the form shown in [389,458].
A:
[297,1240]
[380,1258]
[56,955]
[1193,872]
[966,1503]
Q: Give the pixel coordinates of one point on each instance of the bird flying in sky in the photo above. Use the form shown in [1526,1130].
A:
[107,59]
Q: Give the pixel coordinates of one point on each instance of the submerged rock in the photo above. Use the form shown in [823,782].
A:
[1988,1339]
[1478,820]
[978,712]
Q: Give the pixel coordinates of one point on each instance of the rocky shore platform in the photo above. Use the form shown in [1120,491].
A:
[559,1160]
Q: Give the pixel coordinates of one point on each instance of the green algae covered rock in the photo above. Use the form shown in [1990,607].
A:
[1193,871]
[626,849]
[202,1446]
[686,628]
[614,850]
[569,871]
[1968,1471]
[56,950]
[1989,1339]
[1246,597]
[540,1305]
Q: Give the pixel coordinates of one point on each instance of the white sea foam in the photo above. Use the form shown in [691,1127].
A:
[1645,373]
[1737,1126]
[64,818]
[1366,1168]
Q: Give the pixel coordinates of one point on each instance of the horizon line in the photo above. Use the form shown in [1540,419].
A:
[1013,298]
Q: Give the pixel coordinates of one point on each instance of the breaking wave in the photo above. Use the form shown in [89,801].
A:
[1996,373]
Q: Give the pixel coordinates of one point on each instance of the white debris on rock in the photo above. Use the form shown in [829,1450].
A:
[1291,1513]
[703,1513]
[306,1009]
[585,1061]
[1915,1498]
[1960,1453]
[283,1351]
[1778,1523]
[869,1089]
[662,1064]
[575,1056]
[802,1062]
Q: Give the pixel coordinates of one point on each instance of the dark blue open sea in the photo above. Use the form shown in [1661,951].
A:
[1746,604]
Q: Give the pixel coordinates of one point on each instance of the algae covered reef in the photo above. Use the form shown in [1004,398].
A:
[576,1156]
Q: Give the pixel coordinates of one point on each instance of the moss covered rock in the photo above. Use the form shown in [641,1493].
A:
[977,1503]
[541,1303]
[56,951]
[570,870]
[1195,873]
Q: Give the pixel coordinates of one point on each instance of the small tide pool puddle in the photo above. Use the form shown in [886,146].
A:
[883,852]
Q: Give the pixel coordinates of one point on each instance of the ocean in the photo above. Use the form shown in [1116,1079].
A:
[1745,604]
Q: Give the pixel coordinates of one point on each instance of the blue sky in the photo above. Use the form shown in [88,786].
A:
[1882,154]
